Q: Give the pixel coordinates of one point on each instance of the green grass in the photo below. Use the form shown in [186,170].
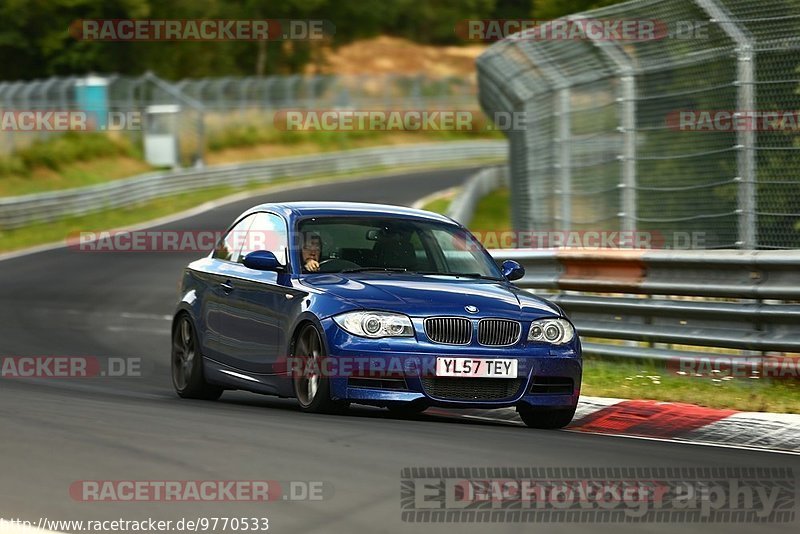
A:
[438,204]
[70,160]
[493,212]
[649,380]
[68,148]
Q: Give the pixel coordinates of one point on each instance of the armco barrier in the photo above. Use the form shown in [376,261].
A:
[640,300]
[42,207]
[475,188]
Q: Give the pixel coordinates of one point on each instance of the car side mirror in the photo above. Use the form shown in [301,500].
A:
[262,260]
[512,270]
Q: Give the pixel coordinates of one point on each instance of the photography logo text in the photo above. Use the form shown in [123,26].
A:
[686,495]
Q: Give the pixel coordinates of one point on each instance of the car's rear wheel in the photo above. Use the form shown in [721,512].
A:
[311,387]
[187,363]
[547,418]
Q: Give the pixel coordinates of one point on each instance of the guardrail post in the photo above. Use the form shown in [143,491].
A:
[745,137]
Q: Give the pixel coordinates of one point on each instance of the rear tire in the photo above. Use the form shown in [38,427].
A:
[187,363]
[545,418]
[311,388]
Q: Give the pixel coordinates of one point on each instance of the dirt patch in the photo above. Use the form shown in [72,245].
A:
[393,55]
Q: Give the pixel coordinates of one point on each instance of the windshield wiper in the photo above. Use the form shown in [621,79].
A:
[378,269]
[463,275]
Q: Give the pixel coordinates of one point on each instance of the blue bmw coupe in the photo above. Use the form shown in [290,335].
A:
[339,303]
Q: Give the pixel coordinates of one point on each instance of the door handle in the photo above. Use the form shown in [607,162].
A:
[227,287]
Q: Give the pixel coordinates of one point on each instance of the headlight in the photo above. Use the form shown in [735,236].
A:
[555,331]
[375,324]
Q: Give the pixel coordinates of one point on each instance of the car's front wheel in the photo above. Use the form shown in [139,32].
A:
[187,363]
[311,387]
[547,418]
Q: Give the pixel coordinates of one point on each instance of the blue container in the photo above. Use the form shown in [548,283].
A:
[91,95]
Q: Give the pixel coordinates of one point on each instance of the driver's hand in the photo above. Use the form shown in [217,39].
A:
[312,266]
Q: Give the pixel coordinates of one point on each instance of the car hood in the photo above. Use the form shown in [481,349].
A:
[426,295]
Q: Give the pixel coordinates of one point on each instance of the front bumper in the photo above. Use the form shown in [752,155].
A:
[547,376]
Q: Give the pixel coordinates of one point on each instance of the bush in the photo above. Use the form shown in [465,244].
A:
[64,149]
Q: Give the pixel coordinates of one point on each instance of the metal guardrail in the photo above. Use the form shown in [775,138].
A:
[644,302]
[462,208]
[42,207]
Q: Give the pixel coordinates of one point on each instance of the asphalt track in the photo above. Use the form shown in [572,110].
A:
[58,431]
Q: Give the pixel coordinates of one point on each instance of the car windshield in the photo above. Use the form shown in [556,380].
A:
[348,245]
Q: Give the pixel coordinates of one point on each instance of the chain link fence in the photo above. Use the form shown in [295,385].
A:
[666,135]
[212,105]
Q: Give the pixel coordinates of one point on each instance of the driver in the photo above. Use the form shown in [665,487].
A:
[312,248]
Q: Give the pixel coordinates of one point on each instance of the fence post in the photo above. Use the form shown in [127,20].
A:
[565,156]
[627,101]
[559,84]
[628,128]
[745,137]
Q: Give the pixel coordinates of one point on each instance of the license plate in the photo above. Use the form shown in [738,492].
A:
[475,367]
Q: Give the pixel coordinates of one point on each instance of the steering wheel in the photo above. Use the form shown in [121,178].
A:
[333,265]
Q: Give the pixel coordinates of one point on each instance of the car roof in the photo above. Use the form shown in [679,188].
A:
[349,209]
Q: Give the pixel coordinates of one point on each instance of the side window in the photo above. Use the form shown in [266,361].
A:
[229,246]
[268,232]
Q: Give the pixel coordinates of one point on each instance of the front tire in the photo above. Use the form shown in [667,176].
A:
[545,418]
[187,363]
[311,387]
